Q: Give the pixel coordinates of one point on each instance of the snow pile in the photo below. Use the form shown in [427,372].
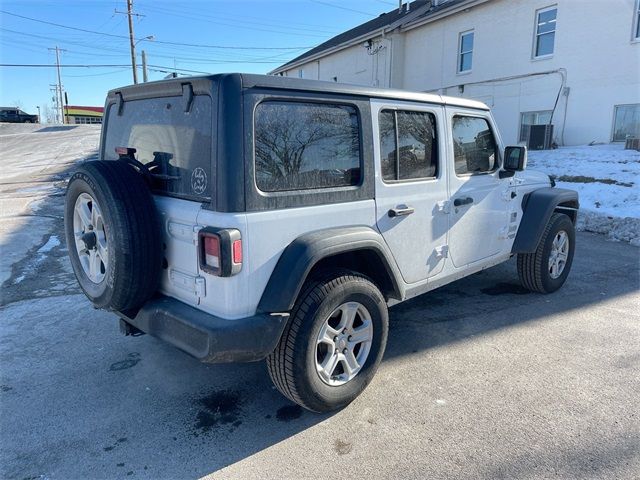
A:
[606,178]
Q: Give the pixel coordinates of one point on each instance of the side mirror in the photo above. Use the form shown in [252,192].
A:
[515,159]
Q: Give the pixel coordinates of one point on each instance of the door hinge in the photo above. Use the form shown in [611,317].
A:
[196,231]
[444,206]
[200,287]
[442,251]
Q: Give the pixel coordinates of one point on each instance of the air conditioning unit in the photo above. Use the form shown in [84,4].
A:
[632,144]
[540,137]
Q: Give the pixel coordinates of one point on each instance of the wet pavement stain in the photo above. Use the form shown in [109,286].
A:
[217,409]
[288,413]
[341,447]
[132,361]
[505,288]
[118,441]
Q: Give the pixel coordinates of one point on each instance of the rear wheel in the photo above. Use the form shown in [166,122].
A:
[546,269]
[333,343]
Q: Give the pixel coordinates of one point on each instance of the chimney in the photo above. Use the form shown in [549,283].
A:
[400,2]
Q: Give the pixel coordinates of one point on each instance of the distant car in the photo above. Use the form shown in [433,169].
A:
[15,115]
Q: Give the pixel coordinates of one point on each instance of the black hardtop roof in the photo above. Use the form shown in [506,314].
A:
[203,84]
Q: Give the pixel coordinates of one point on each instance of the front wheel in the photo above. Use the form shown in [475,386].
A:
[546,269]
[333,344]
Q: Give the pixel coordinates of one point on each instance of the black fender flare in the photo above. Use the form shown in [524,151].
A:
[301,255]
[537,207]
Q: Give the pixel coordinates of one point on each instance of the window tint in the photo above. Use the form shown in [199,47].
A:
[465,60]
[545,32]
[306,146]
[474,146]
[174,144]
[408,145]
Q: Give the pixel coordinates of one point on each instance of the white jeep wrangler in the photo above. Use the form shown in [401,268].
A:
[243,217]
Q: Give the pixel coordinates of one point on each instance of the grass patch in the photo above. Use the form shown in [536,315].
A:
[585,179]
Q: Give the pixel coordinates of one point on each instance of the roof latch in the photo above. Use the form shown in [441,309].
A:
[187,96]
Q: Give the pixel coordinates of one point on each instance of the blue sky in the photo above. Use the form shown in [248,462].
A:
[281,29]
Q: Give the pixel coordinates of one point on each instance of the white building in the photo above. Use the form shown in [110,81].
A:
[572,63]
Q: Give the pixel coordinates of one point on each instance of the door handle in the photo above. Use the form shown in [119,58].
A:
[458,202]
[401,211]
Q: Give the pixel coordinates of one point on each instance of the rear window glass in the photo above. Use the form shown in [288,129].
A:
[174,144]
[302,146]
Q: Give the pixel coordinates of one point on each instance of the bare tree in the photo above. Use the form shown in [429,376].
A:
[285,134]
[49,115]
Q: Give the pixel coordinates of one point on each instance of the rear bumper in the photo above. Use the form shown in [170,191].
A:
[209,338]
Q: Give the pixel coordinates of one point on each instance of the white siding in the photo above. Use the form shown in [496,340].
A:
[594,48]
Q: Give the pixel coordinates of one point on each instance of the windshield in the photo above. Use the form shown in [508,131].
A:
[174,144]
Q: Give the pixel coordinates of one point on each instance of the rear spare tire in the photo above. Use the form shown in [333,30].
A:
[113,235]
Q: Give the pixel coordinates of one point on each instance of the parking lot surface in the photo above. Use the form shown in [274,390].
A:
[481,379]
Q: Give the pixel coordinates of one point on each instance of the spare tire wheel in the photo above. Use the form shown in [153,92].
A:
[113,235]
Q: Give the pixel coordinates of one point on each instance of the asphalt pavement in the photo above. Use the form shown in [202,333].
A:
[481,379]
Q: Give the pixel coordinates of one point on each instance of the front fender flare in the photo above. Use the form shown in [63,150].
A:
[537,207]
[300,256]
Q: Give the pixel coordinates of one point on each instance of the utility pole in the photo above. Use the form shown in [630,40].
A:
[131,41]
[144,66]
[59,88]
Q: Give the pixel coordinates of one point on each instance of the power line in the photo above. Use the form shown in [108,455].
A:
[48,65]
[235,56]
[343,8]
[245,24]
[229,47]
[110,65]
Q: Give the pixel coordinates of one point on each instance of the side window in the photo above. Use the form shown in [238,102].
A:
[545,32]
[306,146]
[465,53]
[474,146]
[408,145]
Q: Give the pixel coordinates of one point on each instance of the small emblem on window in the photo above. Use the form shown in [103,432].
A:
[199,180]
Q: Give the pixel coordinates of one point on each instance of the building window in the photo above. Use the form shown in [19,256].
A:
[301,146]
[474,147]
[408,145]
[532,118]
[300,73]
[626,122]
[465,52]
[545,32]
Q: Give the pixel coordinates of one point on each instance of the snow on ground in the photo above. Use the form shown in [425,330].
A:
[36,160]
[607,179]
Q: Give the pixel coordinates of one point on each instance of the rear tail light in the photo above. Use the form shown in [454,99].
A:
[220,251]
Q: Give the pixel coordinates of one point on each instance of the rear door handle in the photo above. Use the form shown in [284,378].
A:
[401,211]
[458,202]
